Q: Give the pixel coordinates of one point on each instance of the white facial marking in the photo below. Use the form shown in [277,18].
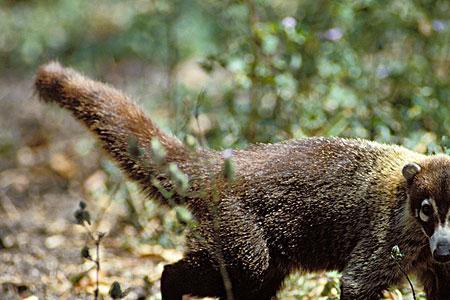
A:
[423,217]
[447,218]
[433,203]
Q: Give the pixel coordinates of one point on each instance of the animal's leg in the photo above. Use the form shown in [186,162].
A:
[368,273]
[436,281]
[270,286]
[240,244]
[196,275]
[193,275]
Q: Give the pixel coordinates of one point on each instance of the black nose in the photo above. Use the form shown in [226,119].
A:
[442,251]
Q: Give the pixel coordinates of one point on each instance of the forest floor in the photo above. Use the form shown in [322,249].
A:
[48,164]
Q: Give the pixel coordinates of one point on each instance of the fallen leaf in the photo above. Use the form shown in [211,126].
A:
[158,252]
[62,165]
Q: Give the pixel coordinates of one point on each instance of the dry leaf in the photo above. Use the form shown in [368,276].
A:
[54,241]
[62,165]
[158,252]
[96,182]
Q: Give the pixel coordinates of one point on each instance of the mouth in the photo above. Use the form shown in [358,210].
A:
[442,253]
[442,258]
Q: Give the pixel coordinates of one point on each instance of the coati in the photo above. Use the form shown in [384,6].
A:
[311,204]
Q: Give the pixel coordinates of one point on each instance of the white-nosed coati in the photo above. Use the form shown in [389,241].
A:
[310,204]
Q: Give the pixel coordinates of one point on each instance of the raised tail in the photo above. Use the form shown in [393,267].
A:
[126,133]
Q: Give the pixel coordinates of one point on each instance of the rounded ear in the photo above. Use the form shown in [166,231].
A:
[410,170]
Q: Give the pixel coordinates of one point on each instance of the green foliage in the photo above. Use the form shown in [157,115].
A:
[442,147]
[369,69]
[179,179]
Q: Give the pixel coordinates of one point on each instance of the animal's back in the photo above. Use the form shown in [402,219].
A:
[314,197]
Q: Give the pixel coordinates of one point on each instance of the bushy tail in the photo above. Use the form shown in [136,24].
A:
[126,133]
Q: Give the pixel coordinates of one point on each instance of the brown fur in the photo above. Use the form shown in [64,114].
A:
[311,204]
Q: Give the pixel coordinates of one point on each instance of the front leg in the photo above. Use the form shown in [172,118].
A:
[369,271]
[436,281]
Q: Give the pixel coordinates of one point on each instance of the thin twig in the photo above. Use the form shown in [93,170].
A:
[97,239]
[97,264]
[218,253]
[407,278]
[88,229]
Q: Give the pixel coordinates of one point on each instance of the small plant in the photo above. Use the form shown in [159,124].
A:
[397,256]
[116,291]
[83,218]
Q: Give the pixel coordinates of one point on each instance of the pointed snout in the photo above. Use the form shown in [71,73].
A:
[442,251]
[440,245]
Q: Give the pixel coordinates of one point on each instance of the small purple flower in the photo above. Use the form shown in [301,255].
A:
[439,25]
[333,34]
[382,71]
[289,22]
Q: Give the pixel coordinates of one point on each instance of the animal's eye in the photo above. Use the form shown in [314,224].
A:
[426,210]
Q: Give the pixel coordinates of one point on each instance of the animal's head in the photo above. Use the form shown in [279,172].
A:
[429,193]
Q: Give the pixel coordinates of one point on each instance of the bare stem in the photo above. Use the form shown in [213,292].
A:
[89,230]
[97,238]
[407,278]
[97,265]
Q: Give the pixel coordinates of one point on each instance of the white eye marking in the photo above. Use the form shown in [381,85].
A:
[426,210]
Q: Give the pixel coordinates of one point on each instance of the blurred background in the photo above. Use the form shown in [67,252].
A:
[227,73]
